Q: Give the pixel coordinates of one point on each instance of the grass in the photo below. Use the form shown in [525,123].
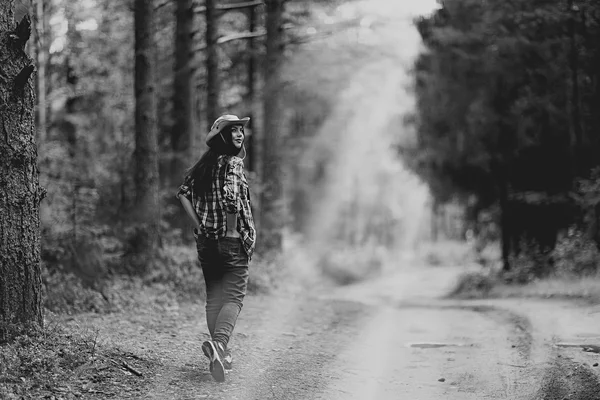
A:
[587,288]
[478,285]
[490,282]
[54,362]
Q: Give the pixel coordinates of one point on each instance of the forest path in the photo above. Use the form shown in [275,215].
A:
[388,338]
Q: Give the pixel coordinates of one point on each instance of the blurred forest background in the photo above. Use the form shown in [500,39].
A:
[508,125]
[503,134]
[125,94]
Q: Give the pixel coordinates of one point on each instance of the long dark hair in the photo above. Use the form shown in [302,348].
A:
[201,172]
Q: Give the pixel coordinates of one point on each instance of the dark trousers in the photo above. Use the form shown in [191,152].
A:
[225,267]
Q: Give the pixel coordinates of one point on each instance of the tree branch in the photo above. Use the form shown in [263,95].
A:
[318,35]
[293,41]
[229,7]
[235,6]
[235,36]
[241,35]
[161,5]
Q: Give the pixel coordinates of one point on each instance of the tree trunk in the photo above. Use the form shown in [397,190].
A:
[20,196]
[575,129]
[255,155]
[272,207]
[146,212]
[182,96]
[181,131]
[505,225]
[251,99]
[197,71]
[212,64]
[435,218]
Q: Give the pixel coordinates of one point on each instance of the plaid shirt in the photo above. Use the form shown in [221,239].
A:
[229,194]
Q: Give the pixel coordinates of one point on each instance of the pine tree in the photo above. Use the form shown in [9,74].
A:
[20,194]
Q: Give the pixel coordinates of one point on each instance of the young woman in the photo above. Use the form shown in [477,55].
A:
[215,195]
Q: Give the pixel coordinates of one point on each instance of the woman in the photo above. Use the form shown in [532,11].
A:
[215,195]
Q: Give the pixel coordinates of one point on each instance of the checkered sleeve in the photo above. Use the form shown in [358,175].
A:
[185,189]
[232,185]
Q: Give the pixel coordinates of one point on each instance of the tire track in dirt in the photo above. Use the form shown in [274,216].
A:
[520,325]
[506,353]
[567,379]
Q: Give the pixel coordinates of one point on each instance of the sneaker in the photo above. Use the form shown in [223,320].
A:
[215,353]
[227,360]
[206,349]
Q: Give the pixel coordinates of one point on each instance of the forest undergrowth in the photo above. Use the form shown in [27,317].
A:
[60,361]
[55,362]
[571,271]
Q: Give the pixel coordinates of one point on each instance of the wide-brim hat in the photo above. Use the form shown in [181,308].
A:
[222,122]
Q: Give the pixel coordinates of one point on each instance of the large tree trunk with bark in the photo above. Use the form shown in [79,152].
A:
[212,63]
[272,206]
[146,212]
[20,192]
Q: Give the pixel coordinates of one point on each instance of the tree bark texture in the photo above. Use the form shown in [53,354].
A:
[212,63]
[20,192]
[146,210]
[272,204]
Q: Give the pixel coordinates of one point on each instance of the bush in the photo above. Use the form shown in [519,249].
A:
[473,285]
[65,293]
[575,255]
[179,269]
[525,267]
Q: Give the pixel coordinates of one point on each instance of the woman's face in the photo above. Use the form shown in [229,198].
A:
[237,136]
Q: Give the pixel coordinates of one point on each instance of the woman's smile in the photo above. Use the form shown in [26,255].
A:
[237,136]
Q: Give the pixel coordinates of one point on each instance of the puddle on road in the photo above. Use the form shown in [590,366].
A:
[432,345]
[591,348]
[589,335]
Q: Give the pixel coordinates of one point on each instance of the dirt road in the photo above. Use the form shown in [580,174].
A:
[389,338]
